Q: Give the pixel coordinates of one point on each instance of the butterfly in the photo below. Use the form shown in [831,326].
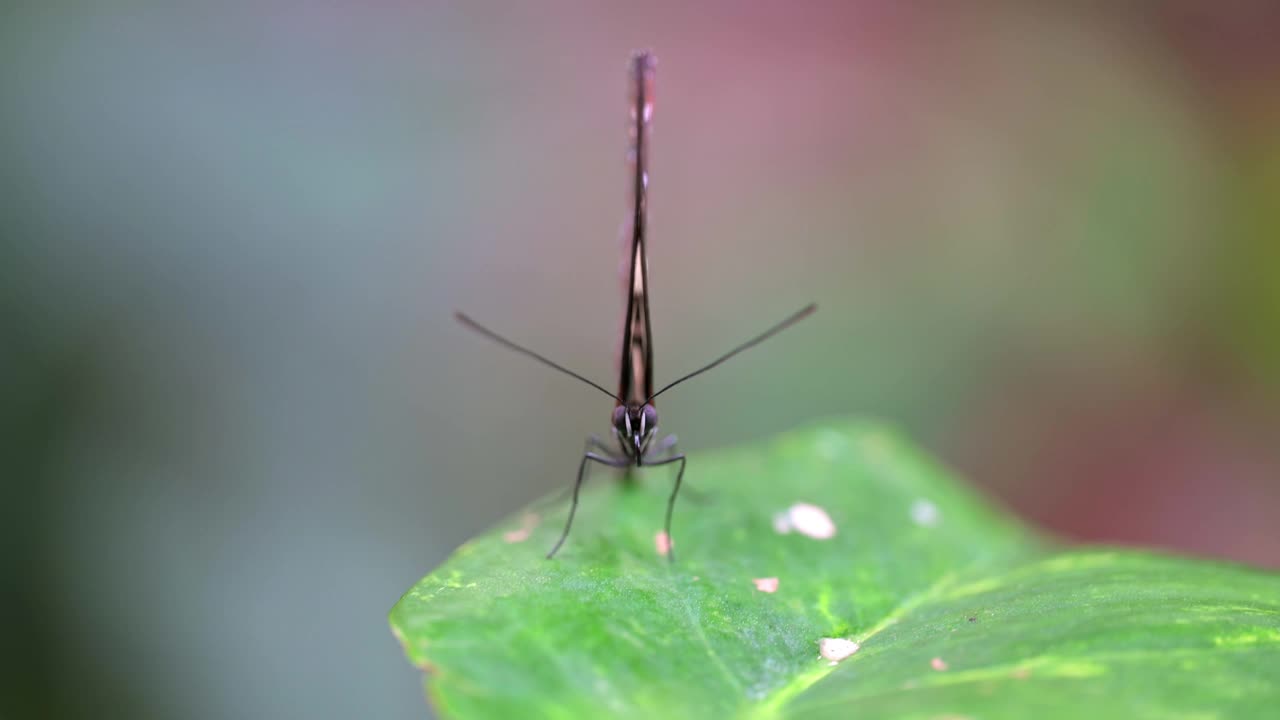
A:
[634,422]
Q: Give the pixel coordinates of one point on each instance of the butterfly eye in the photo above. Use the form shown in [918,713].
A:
[648,418]
[620,419]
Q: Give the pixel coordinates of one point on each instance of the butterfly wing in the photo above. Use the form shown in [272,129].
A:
[635,383]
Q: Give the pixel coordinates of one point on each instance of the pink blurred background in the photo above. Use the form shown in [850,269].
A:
[239,420]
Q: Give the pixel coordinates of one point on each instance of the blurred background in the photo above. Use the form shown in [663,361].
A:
[238,420]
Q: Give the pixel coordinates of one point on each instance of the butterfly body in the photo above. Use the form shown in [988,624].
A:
[635,420]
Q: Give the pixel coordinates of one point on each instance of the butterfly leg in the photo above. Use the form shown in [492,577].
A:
[668,445]
[577,485]
[671,501]
[594,442]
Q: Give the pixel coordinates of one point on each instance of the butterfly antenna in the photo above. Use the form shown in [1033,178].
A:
[472,324]
[795,317]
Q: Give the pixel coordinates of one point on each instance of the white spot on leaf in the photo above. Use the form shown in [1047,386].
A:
[527,524]
[836,649]
[781,523]
[516,536]
[662,543]
[805,519]
[925,513]
[767,585]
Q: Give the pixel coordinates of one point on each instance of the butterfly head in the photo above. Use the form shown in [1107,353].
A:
[635,426]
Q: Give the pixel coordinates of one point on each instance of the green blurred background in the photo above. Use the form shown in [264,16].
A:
[238,419]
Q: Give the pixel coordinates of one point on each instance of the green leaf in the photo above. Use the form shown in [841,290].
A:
[958,610]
